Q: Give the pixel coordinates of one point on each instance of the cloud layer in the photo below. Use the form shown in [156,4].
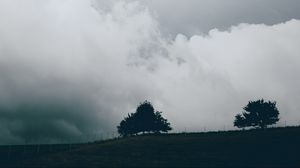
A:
[69,69]
[200,16]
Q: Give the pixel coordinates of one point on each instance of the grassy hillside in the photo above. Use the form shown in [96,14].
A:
[275,147]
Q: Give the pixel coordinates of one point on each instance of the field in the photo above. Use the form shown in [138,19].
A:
[275,147]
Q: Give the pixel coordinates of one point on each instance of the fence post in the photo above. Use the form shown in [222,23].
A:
[38,149]
[8,153]
[49,148]
[24,149]
[284,123]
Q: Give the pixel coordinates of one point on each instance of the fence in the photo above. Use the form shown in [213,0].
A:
[9,153]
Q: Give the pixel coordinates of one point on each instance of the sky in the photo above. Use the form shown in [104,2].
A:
[73,69]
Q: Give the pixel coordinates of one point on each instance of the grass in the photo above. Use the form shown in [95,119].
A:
[275,147]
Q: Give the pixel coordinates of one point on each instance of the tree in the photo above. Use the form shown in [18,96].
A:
[127,126]
[257,114]
[240,121]
[161,124]
[145,119]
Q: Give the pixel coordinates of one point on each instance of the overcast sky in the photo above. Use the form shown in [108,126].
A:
[70,69]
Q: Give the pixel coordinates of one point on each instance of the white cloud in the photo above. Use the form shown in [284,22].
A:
[225,69]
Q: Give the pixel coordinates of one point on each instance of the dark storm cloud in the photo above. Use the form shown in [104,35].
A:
[199,16]
[69,69]
[65,71]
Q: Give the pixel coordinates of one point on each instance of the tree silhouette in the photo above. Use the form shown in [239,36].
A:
[127,126]
[257,114]
[161,124]
[145,119]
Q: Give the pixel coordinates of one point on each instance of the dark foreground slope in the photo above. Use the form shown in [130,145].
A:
[278,147]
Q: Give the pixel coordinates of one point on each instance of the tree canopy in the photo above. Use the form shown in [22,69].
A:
[145,119]
[257,113]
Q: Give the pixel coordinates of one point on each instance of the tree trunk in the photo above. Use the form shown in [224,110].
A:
[262,126]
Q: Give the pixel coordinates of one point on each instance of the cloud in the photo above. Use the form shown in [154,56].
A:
[69,69]
[223,70]
[200,16]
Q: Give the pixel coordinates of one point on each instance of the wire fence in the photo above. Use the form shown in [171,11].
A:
[17,153]
[103,136]
[14,152]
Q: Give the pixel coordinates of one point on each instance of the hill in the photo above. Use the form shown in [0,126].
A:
[276,147]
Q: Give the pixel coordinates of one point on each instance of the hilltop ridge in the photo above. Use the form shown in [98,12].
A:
[274,147]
